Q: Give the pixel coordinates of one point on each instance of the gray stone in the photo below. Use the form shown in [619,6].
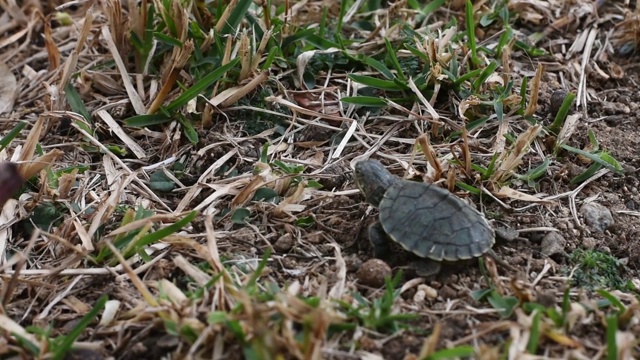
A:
[553,244]
[596,216]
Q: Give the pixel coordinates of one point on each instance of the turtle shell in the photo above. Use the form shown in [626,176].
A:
[431,222]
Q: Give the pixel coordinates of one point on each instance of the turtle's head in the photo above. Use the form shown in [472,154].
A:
[373,180]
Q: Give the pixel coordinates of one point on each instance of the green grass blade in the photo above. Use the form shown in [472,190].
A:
[380,67]
[68,340]
[471,27]
[613,300]
[364,100]
[597,158]
[534,338]
[457,352]
[77,105]
[484,75]
[391,53]
[147,120]
[160,234]
[612,345]
[8,138]
[388,85]
[468,188]
[199,87]
[167,39]
[432,6]
[562,113]
[237,14]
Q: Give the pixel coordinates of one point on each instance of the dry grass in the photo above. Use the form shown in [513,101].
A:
[184,185]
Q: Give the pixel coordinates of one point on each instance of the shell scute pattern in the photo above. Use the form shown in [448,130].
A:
[433,223]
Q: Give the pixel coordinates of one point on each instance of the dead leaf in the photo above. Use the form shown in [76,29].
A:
[8,89]
[507,192]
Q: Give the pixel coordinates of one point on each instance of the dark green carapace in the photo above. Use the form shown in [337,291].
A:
[423,218]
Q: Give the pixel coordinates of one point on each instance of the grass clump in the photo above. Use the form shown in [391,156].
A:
[595,269]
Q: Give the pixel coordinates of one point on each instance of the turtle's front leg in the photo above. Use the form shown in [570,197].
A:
[379,241]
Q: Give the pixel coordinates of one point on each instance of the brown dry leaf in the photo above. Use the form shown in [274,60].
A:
[66,183]
[30,169]
[8,89]
[430,155]
[116,129]
[247,192]
[293,199]
[562,339]
[510,160]
[521,291]
[430,344]
[535,91]
[507,192]
[53,52]
[242,91]
[296,108]
[11,327]
[466,104]
[303,59]
[570,125]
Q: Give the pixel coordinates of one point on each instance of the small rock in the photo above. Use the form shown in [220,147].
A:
[589,242]
[557,98]
[369,344]
[83,354]
[546,299]
[284,243]
[447,292]
[289,263]
[612,108]
[552,244]
[506,233]
[353,263]
[168,341]
[596,216]
[430,292]
[373,272]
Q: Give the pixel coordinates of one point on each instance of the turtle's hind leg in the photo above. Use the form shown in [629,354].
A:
[379,241]
[425,267]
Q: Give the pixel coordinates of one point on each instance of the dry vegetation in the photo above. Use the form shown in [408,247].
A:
[183,185]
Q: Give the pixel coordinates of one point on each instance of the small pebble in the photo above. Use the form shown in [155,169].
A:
[284,243]
[552,244]
[373,272]
[589,242]
[596,216]
[430,292]
[506,233]
[289,263]
[547,299]
[352,262]
[447,292]
[557,98]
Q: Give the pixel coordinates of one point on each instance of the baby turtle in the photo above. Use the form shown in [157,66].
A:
[423,218]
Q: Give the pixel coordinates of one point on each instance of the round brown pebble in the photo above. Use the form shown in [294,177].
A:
[284,243]
[373,272]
